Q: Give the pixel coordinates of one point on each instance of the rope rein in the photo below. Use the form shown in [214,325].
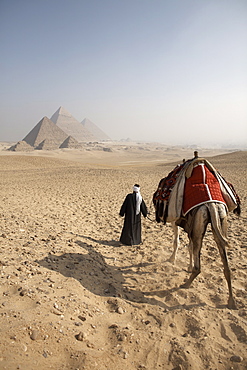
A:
[149,212]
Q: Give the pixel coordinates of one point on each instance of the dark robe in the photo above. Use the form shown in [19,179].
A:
[131,233]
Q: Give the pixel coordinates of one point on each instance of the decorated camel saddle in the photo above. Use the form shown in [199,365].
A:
[190,184]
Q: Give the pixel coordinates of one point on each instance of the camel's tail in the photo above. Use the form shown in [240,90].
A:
[237,210]
[216,216]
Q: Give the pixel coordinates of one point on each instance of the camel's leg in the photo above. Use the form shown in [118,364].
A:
[175,229]
[222,244]
[198,232]
[190,248]
[197,245]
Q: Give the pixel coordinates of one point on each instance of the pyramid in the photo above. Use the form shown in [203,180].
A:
[47,144]
[70,142]
[45,129]
[21,146]
[95,130]
[71,126]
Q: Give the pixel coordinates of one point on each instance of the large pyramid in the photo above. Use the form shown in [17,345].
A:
[71,126]
[45,130]
[95,130]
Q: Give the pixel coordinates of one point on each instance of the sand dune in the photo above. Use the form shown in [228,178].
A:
[71,298]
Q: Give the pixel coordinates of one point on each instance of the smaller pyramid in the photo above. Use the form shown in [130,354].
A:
[95,130]
[21,146]
[48,144]
[45,129]
[70,142]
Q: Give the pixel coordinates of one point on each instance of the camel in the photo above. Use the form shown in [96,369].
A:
[216,214]
[196,219]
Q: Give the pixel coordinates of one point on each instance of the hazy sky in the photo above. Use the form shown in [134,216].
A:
[173,71]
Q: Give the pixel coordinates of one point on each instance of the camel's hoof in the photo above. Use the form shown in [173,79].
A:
[185,286]
[232,304]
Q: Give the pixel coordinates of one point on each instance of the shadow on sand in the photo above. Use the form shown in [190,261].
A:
[94,274]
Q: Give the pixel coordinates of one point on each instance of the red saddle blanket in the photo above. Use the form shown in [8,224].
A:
[201,187]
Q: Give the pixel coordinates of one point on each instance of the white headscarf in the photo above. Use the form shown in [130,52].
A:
[136,189]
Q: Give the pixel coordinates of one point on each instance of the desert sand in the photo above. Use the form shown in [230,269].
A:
[72,298]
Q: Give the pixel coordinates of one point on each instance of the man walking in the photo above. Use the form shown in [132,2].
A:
[132,208]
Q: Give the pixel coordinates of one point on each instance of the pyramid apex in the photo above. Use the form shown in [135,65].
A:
[86,120]
[61,112]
